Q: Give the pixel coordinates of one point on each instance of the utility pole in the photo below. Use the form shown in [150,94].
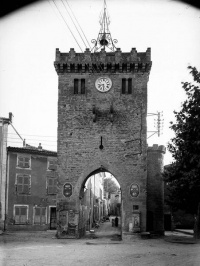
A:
[158,125]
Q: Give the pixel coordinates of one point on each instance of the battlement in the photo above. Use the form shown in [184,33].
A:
[103,62]
[156,148]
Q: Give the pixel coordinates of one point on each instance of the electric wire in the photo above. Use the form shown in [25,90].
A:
[78,23]
[67,26]
[93,69]
[74,24]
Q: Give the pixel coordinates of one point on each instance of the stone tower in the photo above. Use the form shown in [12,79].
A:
[102,110]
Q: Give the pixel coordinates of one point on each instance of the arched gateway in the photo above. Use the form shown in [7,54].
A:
[102,110]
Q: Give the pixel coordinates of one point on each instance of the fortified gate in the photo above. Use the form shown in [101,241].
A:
[102,127]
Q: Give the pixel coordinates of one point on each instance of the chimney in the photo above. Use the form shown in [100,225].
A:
[40,146]
[24,143]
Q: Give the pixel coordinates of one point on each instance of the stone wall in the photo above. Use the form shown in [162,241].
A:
[155,189]
[103,131]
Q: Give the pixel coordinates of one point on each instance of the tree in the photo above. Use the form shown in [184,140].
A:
[110,185]
[183,175]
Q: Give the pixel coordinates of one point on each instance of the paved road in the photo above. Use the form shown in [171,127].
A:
[42,248]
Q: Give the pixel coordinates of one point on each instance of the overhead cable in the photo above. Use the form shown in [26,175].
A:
[77,23]
[74,24]
[67,26]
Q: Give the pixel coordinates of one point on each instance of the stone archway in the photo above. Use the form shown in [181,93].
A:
[98,201]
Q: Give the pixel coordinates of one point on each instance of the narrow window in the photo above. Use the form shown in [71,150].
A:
[82,86]
[117,67]
[40,215]
[129,86]
[23,184]
[124,67]
[75,86]
[21,214]
[51,186]
[72,67]
[52,165]
[123,86]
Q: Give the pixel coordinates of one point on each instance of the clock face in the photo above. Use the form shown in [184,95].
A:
[103,84]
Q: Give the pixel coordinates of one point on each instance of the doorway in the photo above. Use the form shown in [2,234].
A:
[100,208]
[53,221]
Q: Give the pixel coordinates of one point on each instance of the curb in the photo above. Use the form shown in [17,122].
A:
[184,232]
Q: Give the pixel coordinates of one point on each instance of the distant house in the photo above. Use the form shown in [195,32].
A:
[115,203]
[31,188]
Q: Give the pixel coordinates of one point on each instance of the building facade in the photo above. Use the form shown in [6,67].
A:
[4,123]
[31,189]
[102,111]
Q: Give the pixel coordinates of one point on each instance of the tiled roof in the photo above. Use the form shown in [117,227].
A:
[32,150]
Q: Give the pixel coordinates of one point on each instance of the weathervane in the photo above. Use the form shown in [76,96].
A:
[104,38]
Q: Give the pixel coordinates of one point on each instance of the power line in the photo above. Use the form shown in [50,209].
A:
[34,135]
[74,24]
[67,25]
[35,140]
[78,23]
[73,34]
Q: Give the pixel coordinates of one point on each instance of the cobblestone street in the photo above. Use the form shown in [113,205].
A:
[102,248]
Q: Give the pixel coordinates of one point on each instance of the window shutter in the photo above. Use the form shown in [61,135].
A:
[37,215]
[52,165]
[52,185]
[26,162]
[43,216]
[20,162]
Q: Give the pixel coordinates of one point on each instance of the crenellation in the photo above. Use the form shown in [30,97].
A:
[102,62]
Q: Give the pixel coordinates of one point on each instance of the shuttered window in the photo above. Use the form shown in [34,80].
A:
[51,185]
[21,214]
[23,184]
[23,162]
[52,164]
[40,215]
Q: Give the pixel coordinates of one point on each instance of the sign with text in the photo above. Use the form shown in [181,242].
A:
[67,190]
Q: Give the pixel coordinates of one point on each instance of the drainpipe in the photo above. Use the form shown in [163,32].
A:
[6,185]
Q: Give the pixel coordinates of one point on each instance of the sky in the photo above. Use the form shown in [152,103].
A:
[30,36]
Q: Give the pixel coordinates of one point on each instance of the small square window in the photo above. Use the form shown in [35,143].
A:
[135,207]
[23,162]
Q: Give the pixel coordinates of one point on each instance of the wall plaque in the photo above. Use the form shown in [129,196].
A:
[67,190]
[134,190]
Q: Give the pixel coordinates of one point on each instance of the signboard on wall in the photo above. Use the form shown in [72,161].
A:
[67,190]
[134,190]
